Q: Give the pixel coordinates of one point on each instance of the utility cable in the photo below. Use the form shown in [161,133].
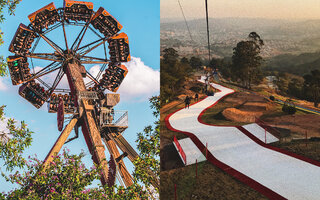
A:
[185,20]
[206,1]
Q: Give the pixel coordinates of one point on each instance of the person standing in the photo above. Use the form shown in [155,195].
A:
[196,97]
[187,102]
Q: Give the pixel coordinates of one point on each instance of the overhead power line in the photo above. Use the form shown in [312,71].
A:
[207,19]
[185,20]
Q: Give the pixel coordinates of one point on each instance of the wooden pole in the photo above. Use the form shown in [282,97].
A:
[90,130]
[196,168]
[265,136]
[306,139]
[175,191]
[125,175]
[60,141]
[207,150]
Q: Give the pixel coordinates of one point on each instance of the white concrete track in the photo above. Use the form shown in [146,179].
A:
[285,175]
[260,133]
[193,154]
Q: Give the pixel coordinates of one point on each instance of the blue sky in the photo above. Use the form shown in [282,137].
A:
[140,20]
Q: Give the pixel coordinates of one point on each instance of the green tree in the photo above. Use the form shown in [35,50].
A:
[295,88]
[147,166]
[13,142]
[214,63]
[312,86]
[195,62]
[246,60]
[16,138]
[66,178]
[184,60]
[170,56]
[173,74]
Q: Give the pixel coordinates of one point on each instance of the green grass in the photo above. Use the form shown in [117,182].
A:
[211,183]
[307,148]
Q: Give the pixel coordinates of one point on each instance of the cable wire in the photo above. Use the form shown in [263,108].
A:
[185,20]
[208,34]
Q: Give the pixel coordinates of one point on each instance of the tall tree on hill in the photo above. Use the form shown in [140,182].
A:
[312,86]
[214,63]
[184,60]
[195,62]
[246,60]
[170,56]
[173,74]
[295,88]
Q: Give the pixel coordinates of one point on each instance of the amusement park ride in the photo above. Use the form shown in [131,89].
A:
[91,108]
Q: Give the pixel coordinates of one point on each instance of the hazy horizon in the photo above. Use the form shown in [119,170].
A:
[178,19]
[266,9]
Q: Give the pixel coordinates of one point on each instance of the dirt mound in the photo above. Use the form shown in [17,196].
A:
[237,115]
[242,97]
[255,106]
[237,98]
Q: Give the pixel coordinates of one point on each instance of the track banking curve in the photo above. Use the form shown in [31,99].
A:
[274,173]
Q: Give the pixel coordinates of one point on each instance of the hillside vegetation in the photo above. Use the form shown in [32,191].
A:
[294,64]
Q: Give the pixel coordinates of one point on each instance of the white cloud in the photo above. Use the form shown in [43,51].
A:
[3,86]
[141,81]
[4,130]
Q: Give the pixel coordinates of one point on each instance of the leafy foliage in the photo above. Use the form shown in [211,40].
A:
[66,177]
[14,141]
[289,109]
[173,74]
[312,86]
[147,166]
[223,65]
[246,60]
[195,62]
[307,88]
[300,65]
[3,65]
[10,5]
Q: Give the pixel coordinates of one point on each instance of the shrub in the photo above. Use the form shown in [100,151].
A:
[289,109]
[272,98]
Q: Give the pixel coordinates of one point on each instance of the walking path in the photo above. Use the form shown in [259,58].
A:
[241,152]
